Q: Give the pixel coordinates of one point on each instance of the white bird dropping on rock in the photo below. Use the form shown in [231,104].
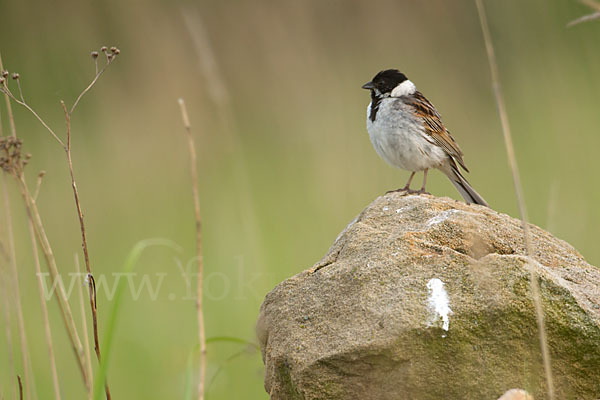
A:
[439,303]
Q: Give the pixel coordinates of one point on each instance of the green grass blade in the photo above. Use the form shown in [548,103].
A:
[128,267]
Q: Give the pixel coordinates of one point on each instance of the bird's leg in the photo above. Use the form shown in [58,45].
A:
[406,187]
[422,191]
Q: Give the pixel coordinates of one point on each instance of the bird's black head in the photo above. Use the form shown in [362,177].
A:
[385,81]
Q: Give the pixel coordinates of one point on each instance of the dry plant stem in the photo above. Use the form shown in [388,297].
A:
[4,89]
[35,219]
[92,293]
[11,118]
[196,195]
[61,297]
[220,95]
[11,362]
[30,202]
[20,90]
[593,4]
[215,83]
[3,284]
[75,191]
[88,356]
[45,320]
[20,387]
[82,224]
[92,290]
[13,131]
[17,292]
[39,184]
[585,18]
[535,289]
[89,87]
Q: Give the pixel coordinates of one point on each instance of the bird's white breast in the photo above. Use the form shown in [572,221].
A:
[399,137]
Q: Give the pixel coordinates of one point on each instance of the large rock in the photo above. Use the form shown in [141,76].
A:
[429,298]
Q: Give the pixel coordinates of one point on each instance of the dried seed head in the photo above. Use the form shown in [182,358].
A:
[113,49]
[94,54]
[117,52]
[103,49]
[41,174]
[15,76]
[110,57]
[11,159]
[1,81]
[4,74]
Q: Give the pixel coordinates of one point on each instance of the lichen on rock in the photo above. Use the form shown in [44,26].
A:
[358,324]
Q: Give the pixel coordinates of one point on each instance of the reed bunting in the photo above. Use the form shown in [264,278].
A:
[407,132]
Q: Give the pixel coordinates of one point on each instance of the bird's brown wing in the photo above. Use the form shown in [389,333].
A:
[434,127]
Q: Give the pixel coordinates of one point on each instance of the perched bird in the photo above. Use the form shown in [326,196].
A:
[407,132]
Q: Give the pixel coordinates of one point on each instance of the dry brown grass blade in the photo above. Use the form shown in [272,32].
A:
[229,132]
[207,60]
[199,260]
[20,387]
[88,356]
[92,292]
[535,289]
[45,319]
[34,216]
[17,294]
[585,18]
[74,186]
[7,324]
[594,5]
[9,233]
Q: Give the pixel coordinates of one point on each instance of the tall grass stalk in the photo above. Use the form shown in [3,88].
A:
[594,5]
[14,277]
[220,95]
[7,325]
[510,151]
[63,304]
[12,261]
[91,284]
[88,356]
[44,307]
[20,383]
[199,260]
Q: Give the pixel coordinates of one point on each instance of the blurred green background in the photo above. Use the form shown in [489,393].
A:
[273,92]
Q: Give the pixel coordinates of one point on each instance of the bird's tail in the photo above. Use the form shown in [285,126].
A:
[461,184]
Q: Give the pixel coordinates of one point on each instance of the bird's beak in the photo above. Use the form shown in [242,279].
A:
[368,85]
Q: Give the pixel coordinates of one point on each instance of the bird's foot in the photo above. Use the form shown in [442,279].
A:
[420,191]
[404,189]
